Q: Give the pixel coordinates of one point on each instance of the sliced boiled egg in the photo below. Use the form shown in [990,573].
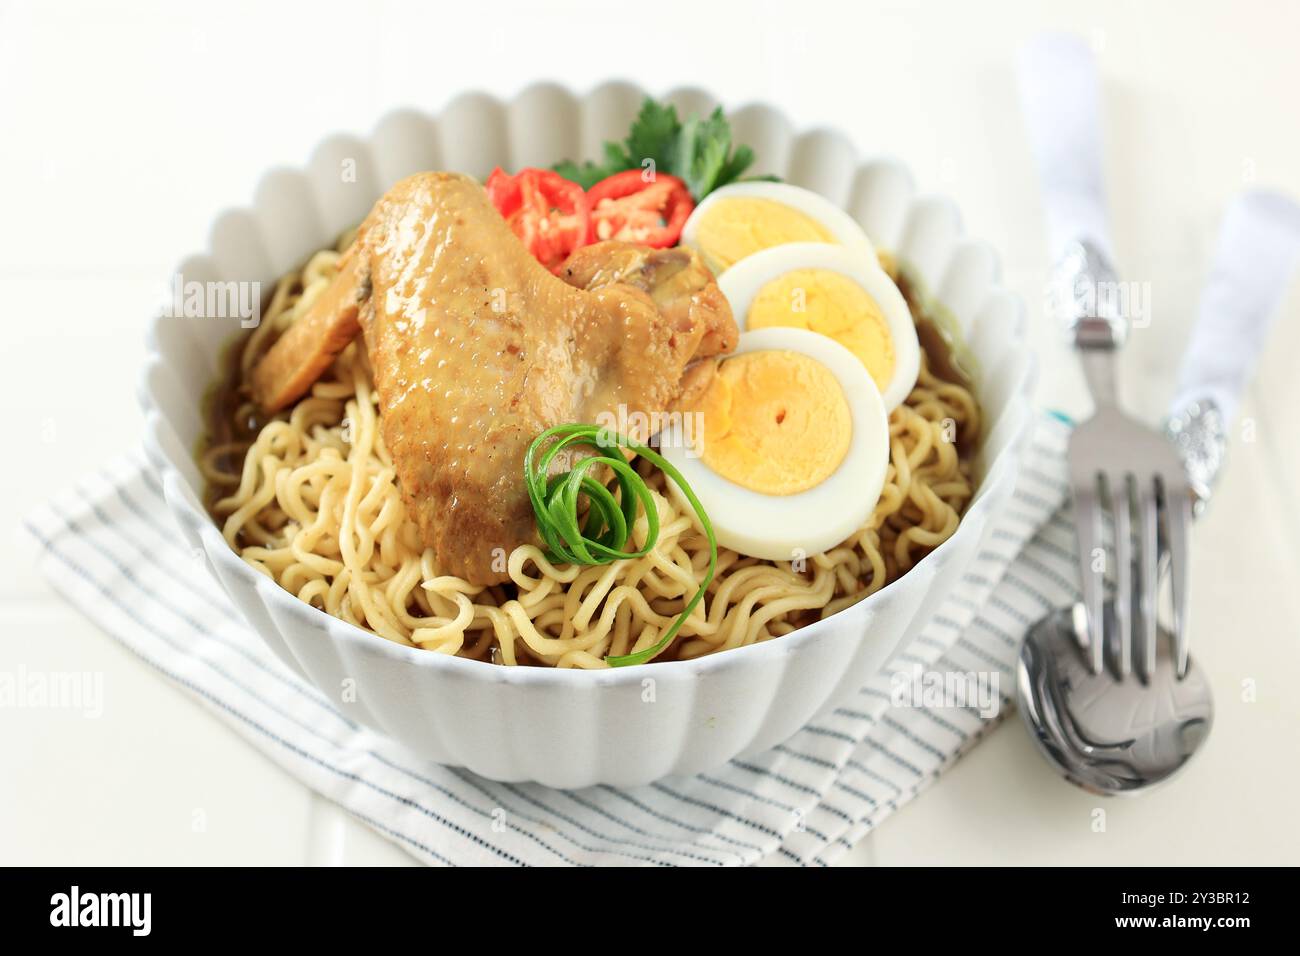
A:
[835,292]
[736,221]
[787,447]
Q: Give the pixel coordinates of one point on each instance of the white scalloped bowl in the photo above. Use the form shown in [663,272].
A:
[568,728]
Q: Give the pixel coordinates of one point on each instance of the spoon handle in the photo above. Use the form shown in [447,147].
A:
[1258,248]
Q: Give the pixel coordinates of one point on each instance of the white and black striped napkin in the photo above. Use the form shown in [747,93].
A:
[110,546]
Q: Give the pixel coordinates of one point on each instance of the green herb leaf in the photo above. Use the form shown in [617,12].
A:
[616,159]
[652,136]
[586,175]
[701,154]
[740,161]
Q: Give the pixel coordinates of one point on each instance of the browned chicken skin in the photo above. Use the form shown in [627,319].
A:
[677,281]
[682,289]
[476,348]
[311,344]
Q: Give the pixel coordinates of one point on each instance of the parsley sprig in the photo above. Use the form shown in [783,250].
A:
[698,151]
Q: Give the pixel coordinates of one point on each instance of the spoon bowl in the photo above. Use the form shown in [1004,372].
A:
[1107,734]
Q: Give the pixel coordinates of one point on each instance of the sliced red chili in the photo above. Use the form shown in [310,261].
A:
[648,209]
[549,214]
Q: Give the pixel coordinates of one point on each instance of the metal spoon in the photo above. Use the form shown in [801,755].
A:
[1104,734]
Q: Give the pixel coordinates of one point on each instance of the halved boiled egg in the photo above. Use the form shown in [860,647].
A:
[736,221]
[835,292]
[787,448]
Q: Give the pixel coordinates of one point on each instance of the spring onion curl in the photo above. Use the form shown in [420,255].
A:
[609,521]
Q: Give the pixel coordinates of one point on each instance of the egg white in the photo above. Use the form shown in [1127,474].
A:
[784,527]
[837,222]
[743,281]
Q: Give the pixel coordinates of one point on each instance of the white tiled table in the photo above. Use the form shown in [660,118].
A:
[122,134]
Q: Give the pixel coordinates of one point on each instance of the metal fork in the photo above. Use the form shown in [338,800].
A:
[1118,466]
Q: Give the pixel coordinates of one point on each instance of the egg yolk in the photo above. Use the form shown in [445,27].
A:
[775,422]
[833,305]
[739,226]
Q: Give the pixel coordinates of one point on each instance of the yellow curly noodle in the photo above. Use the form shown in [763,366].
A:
[315,506]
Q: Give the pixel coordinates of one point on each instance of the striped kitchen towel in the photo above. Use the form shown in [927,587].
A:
[110,547]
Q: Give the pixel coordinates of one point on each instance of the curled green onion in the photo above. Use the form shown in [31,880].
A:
[601,538]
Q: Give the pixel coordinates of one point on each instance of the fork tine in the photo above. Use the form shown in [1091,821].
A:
[1087,525]
[1148,576]
[1121,503]
[1178,512]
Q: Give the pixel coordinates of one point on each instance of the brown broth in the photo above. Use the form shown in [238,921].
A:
[227,420]
[935,340]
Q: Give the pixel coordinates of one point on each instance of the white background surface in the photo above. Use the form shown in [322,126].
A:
[123,132]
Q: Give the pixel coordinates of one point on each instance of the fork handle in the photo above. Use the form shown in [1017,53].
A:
[1061,97]
[1258,248]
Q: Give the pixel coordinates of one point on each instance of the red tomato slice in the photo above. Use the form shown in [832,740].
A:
[549,214]
[649,212]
